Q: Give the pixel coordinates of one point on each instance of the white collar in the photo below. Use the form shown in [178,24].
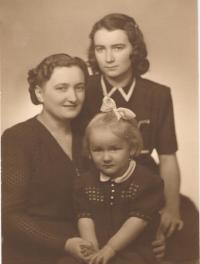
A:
[124,177]
[120,89]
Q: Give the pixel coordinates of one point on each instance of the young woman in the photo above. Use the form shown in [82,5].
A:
[117,199]
[39,165]
[118,59]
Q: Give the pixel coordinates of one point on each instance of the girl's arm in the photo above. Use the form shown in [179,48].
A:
[127,233]
[86,228]
[148,204]
[149,201]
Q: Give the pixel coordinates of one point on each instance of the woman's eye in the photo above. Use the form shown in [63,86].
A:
[80,88]
[118,48]
[99,49]
[61,88]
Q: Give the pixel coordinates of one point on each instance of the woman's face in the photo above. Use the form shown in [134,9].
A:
[63,94]
[113,53]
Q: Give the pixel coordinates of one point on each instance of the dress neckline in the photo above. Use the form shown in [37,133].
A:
[53,139]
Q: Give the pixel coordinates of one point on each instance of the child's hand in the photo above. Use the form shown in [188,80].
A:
[74,246]
[88,250]
[102,256]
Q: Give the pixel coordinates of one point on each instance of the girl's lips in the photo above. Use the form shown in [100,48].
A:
[108,166]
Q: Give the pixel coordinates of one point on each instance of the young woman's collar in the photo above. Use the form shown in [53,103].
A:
[126,91]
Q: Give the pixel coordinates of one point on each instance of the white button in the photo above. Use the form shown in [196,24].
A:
[112,190]
[111,197]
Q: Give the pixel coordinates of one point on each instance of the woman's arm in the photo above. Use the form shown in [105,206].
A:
[170,216]
[17,224]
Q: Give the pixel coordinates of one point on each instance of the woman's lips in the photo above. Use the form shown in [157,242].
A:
[111,67]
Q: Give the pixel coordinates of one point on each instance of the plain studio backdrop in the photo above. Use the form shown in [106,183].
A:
[32,30]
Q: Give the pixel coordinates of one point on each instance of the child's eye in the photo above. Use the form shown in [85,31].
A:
[97,149]
[115,148]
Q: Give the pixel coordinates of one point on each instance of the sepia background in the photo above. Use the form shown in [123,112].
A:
[32,30]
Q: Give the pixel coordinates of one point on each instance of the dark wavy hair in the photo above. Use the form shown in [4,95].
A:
[115,21]
[42,73]
[125,129]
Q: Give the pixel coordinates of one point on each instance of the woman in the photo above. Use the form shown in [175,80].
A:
[118,59]
[39,164]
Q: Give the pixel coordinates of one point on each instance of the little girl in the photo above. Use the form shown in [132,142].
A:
[117,199]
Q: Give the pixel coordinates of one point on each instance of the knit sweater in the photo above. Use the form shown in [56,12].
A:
[37,180]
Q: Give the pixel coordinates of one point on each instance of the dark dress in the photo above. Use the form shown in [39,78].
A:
[152,104]
[110,204]
[37,179]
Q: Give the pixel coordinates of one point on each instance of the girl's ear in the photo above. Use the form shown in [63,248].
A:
[39,93]
[132,152]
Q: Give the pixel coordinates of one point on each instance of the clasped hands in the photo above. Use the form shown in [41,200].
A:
[86,252]
[96,256]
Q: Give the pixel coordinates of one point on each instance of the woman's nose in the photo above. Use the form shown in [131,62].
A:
[71,95]
[109,56]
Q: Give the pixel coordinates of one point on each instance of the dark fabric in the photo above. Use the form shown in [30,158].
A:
[184,244]
[152,104]
[68,260]
[110,204]
[37,180]
[128,258]
[152,101]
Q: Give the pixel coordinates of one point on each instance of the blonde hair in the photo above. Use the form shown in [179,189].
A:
[125,129]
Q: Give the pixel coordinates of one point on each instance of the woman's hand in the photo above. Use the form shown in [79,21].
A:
[170,221]
[159,244]
[102,256]
[75,246]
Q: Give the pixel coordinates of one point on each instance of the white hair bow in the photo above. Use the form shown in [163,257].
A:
[110,105]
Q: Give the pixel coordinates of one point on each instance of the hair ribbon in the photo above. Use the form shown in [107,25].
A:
[109,105]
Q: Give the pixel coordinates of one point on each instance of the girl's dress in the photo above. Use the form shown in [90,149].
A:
[37,180]
[110,204]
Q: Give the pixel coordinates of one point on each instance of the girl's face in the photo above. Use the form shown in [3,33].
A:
[113,53]
[63,94]
[109,152]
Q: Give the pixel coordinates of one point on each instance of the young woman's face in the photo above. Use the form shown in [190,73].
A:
[113,53]
[109,152]
[63,94]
